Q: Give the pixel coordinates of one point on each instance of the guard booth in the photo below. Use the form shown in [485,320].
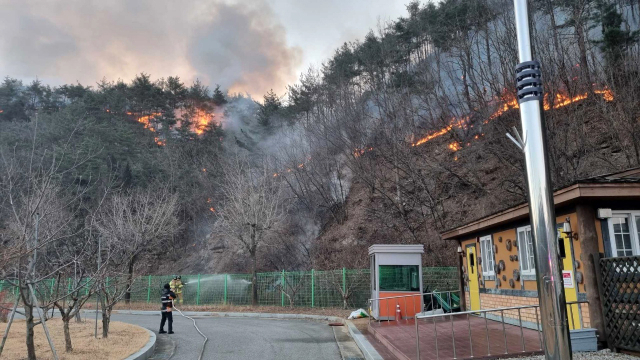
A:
[396,279]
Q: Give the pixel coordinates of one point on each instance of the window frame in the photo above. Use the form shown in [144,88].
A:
[525,245]
[486,270]
[634,231]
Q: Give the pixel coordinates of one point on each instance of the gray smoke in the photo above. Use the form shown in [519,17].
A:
[240,46]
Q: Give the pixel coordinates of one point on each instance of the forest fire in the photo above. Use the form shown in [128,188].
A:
[201,122]
[146,121]
[455,146]
[509,102]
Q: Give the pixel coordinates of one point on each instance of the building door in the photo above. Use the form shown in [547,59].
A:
[569,279]
[472,273]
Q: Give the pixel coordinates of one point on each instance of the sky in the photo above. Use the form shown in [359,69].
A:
[246,46]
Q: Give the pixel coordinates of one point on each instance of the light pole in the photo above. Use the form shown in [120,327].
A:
[557,344]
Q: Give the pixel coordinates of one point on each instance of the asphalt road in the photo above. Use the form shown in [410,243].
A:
[244,338]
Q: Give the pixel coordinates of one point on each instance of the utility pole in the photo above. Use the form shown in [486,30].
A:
[557,344]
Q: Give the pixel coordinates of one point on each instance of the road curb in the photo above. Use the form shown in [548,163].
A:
[147,350]
[369,352]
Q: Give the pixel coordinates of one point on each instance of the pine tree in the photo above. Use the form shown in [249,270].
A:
[615,41]
[268,109]
[219,97]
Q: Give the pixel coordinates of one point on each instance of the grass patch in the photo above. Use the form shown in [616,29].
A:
[124,340]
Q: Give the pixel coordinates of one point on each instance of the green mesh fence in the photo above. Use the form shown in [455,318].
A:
[348,288]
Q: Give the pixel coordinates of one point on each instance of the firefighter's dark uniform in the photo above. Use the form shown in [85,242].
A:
[167,308]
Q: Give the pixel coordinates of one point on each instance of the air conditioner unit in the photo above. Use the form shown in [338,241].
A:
[604,213]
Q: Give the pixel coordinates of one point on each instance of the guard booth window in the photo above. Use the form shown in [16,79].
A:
[399,278]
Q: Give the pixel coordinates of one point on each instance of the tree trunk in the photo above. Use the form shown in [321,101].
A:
[557,45]
[28,313]
[582,46]
[127,295]
[254,280]
[106,319]
[67,335]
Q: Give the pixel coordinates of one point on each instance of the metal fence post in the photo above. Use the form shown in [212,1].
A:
[198,292]
[344,281]
[149,289]
[283,285]
[312,288]
[225,288]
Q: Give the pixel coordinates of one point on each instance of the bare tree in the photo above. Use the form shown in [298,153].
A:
[253,205]
[138,223]
[38,213]
[293,282]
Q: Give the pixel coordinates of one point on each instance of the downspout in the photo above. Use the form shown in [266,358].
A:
[557,345]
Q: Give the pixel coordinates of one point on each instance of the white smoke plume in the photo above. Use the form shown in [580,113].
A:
[239,45]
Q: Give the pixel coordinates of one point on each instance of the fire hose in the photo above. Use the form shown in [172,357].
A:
[197,329]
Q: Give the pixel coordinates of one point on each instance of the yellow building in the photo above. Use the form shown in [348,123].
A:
[597,218]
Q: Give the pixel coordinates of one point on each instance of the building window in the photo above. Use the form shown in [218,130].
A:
[399,278]
[624,228]
[486,251]
[525,251]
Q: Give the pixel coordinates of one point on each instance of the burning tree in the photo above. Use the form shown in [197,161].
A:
[253,206]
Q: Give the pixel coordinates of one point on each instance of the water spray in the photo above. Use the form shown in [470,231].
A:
[195,325]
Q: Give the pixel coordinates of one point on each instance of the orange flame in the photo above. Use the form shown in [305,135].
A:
[509,102]
[146,120]
[607,94]
[201,122]
[433,135]
[212,209]
[455,146]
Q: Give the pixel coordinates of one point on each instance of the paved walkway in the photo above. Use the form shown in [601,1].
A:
[245,338]
[469,336]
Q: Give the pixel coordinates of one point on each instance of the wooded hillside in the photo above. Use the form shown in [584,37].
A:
[398,137]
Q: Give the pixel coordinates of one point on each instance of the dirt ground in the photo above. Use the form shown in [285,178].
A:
[124,340]
[238,308]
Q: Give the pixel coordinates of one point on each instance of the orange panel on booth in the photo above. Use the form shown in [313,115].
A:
[396,281]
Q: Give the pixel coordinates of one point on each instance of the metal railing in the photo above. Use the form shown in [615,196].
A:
[483,314]
[438,300]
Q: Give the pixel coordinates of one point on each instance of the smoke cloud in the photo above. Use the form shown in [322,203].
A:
[239,45]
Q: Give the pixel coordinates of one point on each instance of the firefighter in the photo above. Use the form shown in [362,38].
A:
[176,287]
[167,308]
